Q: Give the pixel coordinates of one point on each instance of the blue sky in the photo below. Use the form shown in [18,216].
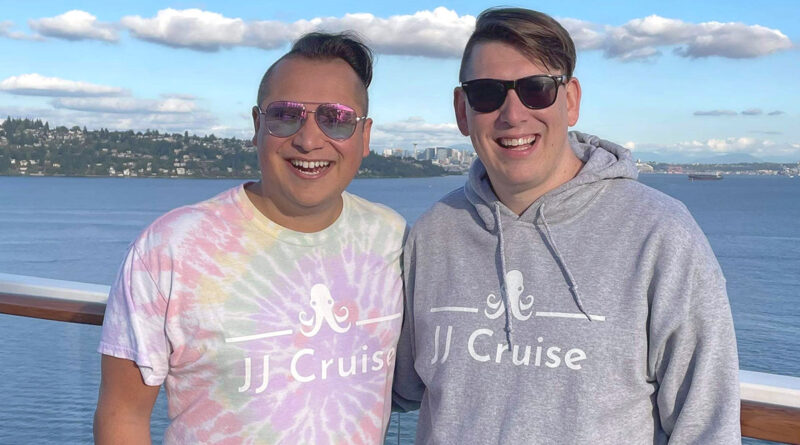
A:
[685,80]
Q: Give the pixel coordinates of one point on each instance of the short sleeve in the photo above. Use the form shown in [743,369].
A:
[134,323]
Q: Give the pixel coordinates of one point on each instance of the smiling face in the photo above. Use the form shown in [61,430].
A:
[526,152]
[303,175]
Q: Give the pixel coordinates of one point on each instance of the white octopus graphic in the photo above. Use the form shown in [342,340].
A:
[514,288]
[322,303]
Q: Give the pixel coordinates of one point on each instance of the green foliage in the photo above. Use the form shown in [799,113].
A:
[5,164]
[77,151]
[378,166]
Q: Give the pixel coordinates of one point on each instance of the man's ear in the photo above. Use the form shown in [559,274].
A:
[460,107]
[256,124]
[365,137]
[573,88]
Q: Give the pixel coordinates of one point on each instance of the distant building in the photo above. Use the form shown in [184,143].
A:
[644,167]
[393,152]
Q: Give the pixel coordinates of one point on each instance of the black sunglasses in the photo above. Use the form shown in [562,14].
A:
[535,92]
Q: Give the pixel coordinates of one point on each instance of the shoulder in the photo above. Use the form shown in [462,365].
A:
[375,210]
[662,223]
[374,214]
[177,225]
[650,207]
[443,215]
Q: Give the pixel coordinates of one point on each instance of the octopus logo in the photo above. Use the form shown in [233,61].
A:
[323,305]
[514,288]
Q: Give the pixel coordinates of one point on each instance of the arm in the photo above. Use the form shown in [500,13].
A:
[124,404]
[408,388]
[693,353]
[134,350]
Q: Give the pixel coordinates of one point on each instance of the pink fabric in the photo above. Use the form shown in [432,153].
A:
[261,334]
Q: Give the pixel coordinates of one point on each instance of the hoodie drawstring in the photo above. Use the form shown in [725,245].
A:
[503,288]
[573,287]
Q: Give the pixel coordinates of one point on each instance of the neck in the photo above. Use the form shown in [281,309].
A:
[299,219]
[519,200]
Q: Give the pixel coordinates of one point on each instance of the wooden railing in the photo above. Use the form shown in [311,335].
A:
[770,407]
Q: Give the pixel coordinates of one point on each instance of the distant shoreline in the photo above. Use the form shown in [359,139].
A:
[204,177]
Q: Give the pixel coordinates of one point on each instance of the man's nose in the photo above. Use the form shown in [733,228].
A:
[513,111]
[309,137]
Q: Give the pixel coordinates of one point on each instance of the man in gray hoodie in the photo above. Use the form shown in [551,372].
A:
[553,298]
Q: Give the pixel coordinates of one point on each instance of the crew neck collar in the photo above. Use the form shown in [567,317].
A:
[287,235]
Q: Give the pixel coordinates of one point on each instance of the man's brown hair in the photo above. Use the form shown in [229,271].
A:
[535,34]
[324,46]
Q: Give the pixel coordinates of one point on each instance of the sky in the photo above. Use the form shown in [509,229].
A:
[671,80]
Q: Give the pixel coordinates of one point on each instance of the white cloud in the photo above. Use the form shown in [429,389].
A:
[75,25]
[747,112]
[716,113]
[178,96]
[125,105]
[5,31]
[716,146]
[734,40]
[641,39]
[438,33]
[188,28]
[199,122]
[585,35]
[37,85]
[272,34]
[415,130]
[732,144]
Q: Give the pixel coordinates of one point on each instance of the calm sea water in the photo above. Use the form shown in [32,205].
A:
[78,229]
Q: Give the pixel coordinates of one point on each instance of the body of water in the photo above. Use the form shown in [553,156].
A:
[79,228]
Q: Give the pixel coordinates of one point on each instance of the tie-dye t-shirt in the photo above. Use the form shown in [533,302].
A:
[261,334]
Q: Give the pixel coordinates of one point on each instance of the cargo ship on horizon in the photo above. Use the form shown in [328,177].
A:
[705,176]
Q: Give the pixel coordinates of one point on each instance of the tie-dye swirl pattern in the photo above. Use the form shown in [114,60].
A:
[261,334]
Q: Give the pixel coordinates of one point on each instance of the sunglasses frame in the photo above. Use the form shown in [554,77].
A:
[305,117]
[560,79]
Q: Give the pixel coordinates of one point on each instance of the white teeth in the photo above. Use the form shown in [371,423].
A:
[309,164]
[515,142]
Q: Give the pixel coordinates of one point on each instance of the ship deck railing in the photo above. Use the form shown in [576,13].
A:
[770,403]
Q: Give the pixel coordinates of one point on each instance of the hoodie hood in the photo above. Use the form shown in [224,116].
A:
[602,160]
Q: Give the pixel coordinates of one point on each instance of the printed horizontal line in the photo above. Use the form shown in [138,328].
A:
[258,336]
[379,319]
[566,315]
[473,310]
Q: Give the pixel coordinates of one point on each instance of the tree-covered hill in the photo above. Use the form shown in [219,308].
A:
[32,147]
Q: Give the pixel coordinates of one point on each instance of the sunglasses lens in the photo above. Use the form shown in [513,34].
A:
[337,121]
[537,91]
[284,118]
[485,95]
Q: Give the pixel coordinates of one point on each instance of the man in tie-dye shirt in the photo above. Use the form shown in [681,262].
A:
[270,312]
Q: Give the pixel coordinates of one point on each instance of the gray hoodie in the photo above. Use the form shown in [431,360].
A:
[598,316]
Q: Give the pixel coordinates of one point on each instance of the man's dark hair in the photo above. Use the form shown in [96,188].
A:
[535,34]
[324,46]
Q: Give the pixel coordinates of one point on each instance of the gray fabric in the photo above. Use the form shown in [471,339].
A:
[597,316]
